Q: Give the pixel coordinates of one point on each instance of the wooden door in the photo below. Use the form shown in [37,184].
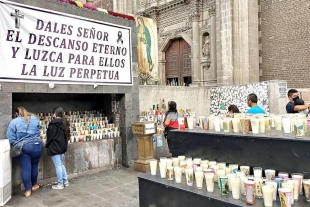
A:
[178,62]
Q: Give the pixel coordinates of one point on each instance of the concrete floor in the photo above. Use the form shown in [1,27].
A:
[115,188]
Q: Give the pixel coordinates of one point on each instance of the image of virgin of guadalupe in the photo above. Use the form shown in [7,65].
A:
[144,47]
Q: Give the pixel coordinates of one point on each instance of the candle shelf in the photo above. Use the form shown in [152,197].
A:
[159,192]
[84,126]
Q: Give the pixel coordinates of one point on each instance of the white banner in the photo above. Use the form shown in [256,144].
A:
[38,45]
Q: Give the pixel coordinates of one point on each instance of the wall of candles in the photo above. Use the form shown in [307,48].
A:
[84,125]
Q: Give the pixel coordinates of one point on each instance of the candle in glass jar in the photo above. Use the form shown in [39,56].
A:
[296,190]
[169,162]
[189,172]
[183,165]
[235,187]
[162,169]
[181,157]
[274,184]
[175,162]
[220,173]
[299,177]
[262,125]
[178,174]
[257,172]
[230,177]
[153,166]
[199,179]
[209,177]
[258,186]
[268,195]
[283,175]
[170,174]
[236,124]
[289,185]
[255,125]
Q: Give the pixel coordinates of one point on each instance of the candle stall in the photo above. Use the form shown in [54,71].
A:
[281,150]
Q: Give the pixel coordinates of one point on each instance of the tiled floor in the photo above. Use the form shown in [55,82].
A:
[116,188]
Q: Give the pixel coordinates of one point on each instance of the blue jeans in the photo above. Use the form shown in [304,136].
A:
[29,162]
[60,169]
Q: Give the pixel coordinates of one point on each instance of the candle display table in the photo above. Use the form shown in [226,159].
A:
[269,151]
[155,191]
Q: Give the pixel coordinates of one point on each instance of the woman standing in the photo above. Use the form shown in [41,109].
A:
[58,133]
[23,131]
[171,120]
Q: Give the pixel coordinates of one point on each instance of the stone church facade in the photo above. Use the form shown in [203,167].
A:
[226,42]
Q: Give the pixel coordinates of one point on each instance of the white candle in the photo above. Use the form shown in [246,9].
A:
[268,195]
[296,190]
[190,122]
[258,186]
[262,125]
[209,182]
[286,125]
[204,162]
[235,187]
[211,123]
[221,165]
[215,168]
[217,124]
[299,177]
[289,185]
[169,162]
[306,184]
[153,166]
[175,162]
[170,174]
[227,170]
[226,124]
[183,165]
[212,163]
[274,184]
[199,179]
[236,124]
[255,126]
[162,169]
[245,169]
[178,174]
[199,169]
[220,173]
[257,172]
[270,174]
[189,176]
[278,123]
[242,180]
[204,166]
[230,176]
[267,123]
[197,160]
[181,158]
[189,163]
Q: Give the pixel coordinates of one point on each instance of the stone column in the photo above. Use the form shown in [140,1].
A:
[196,71]
[211,73]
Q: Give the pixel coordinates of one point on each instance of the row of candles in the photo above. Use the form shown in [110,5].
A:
[84,126]
[235,179]
[296,124]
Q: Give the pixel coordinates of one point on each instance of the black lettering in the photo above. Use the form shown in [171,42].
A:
[93,72]
[79,32]
[24,70]
[45,71]
[123,63]
[101,59]
[70,27]
[41,40]
[63,29]
[99,74]
[79,75]
[14,50]
[40,24]
[111,74]
[33,70]
[61,74]
[9,36]
[32,38]
[48,27]
[72,71]
[71,57]
[86,71]
[105,38]
[44,57]
[95,47]
[116,76]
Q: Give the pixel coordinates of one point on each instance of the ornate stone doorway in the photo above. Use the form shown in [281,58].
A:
[178,63]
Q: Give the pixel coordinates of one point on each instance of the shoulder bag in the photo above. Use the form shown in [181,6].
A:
[17,149]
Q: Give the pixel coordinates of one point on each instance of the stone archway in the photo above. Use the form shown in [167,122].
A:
[162,54]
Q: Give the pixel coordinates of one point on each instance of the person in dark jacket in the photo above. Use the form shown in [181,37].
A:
[58,133]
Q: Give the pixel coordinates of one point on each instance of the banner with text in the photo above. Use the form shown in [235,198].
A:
[38,45]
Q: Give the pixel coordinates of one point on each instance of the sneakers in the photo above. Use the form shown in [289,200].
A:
[66,184]
[58,187]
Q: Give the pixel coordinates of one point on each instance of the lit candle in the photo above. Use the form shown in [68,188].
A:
[178,174]
[245,169]
[230,176]
[170,173]
[181,157]
[286,125]
[199,179]
[183,165]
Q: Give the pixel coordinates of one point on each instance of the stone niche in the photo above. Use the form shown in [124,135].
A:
[85,157]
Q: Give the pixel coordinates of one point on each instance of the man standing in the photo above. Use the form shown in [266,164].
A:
[252,102]
[292,95]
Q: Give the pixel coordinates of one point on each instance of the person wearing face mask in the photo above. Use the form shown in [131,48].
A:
[171,121]
[290,106]
[299,102]
[252,102]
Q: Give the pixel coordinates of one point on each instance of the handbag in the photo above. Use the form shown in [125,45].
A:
[17,150]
